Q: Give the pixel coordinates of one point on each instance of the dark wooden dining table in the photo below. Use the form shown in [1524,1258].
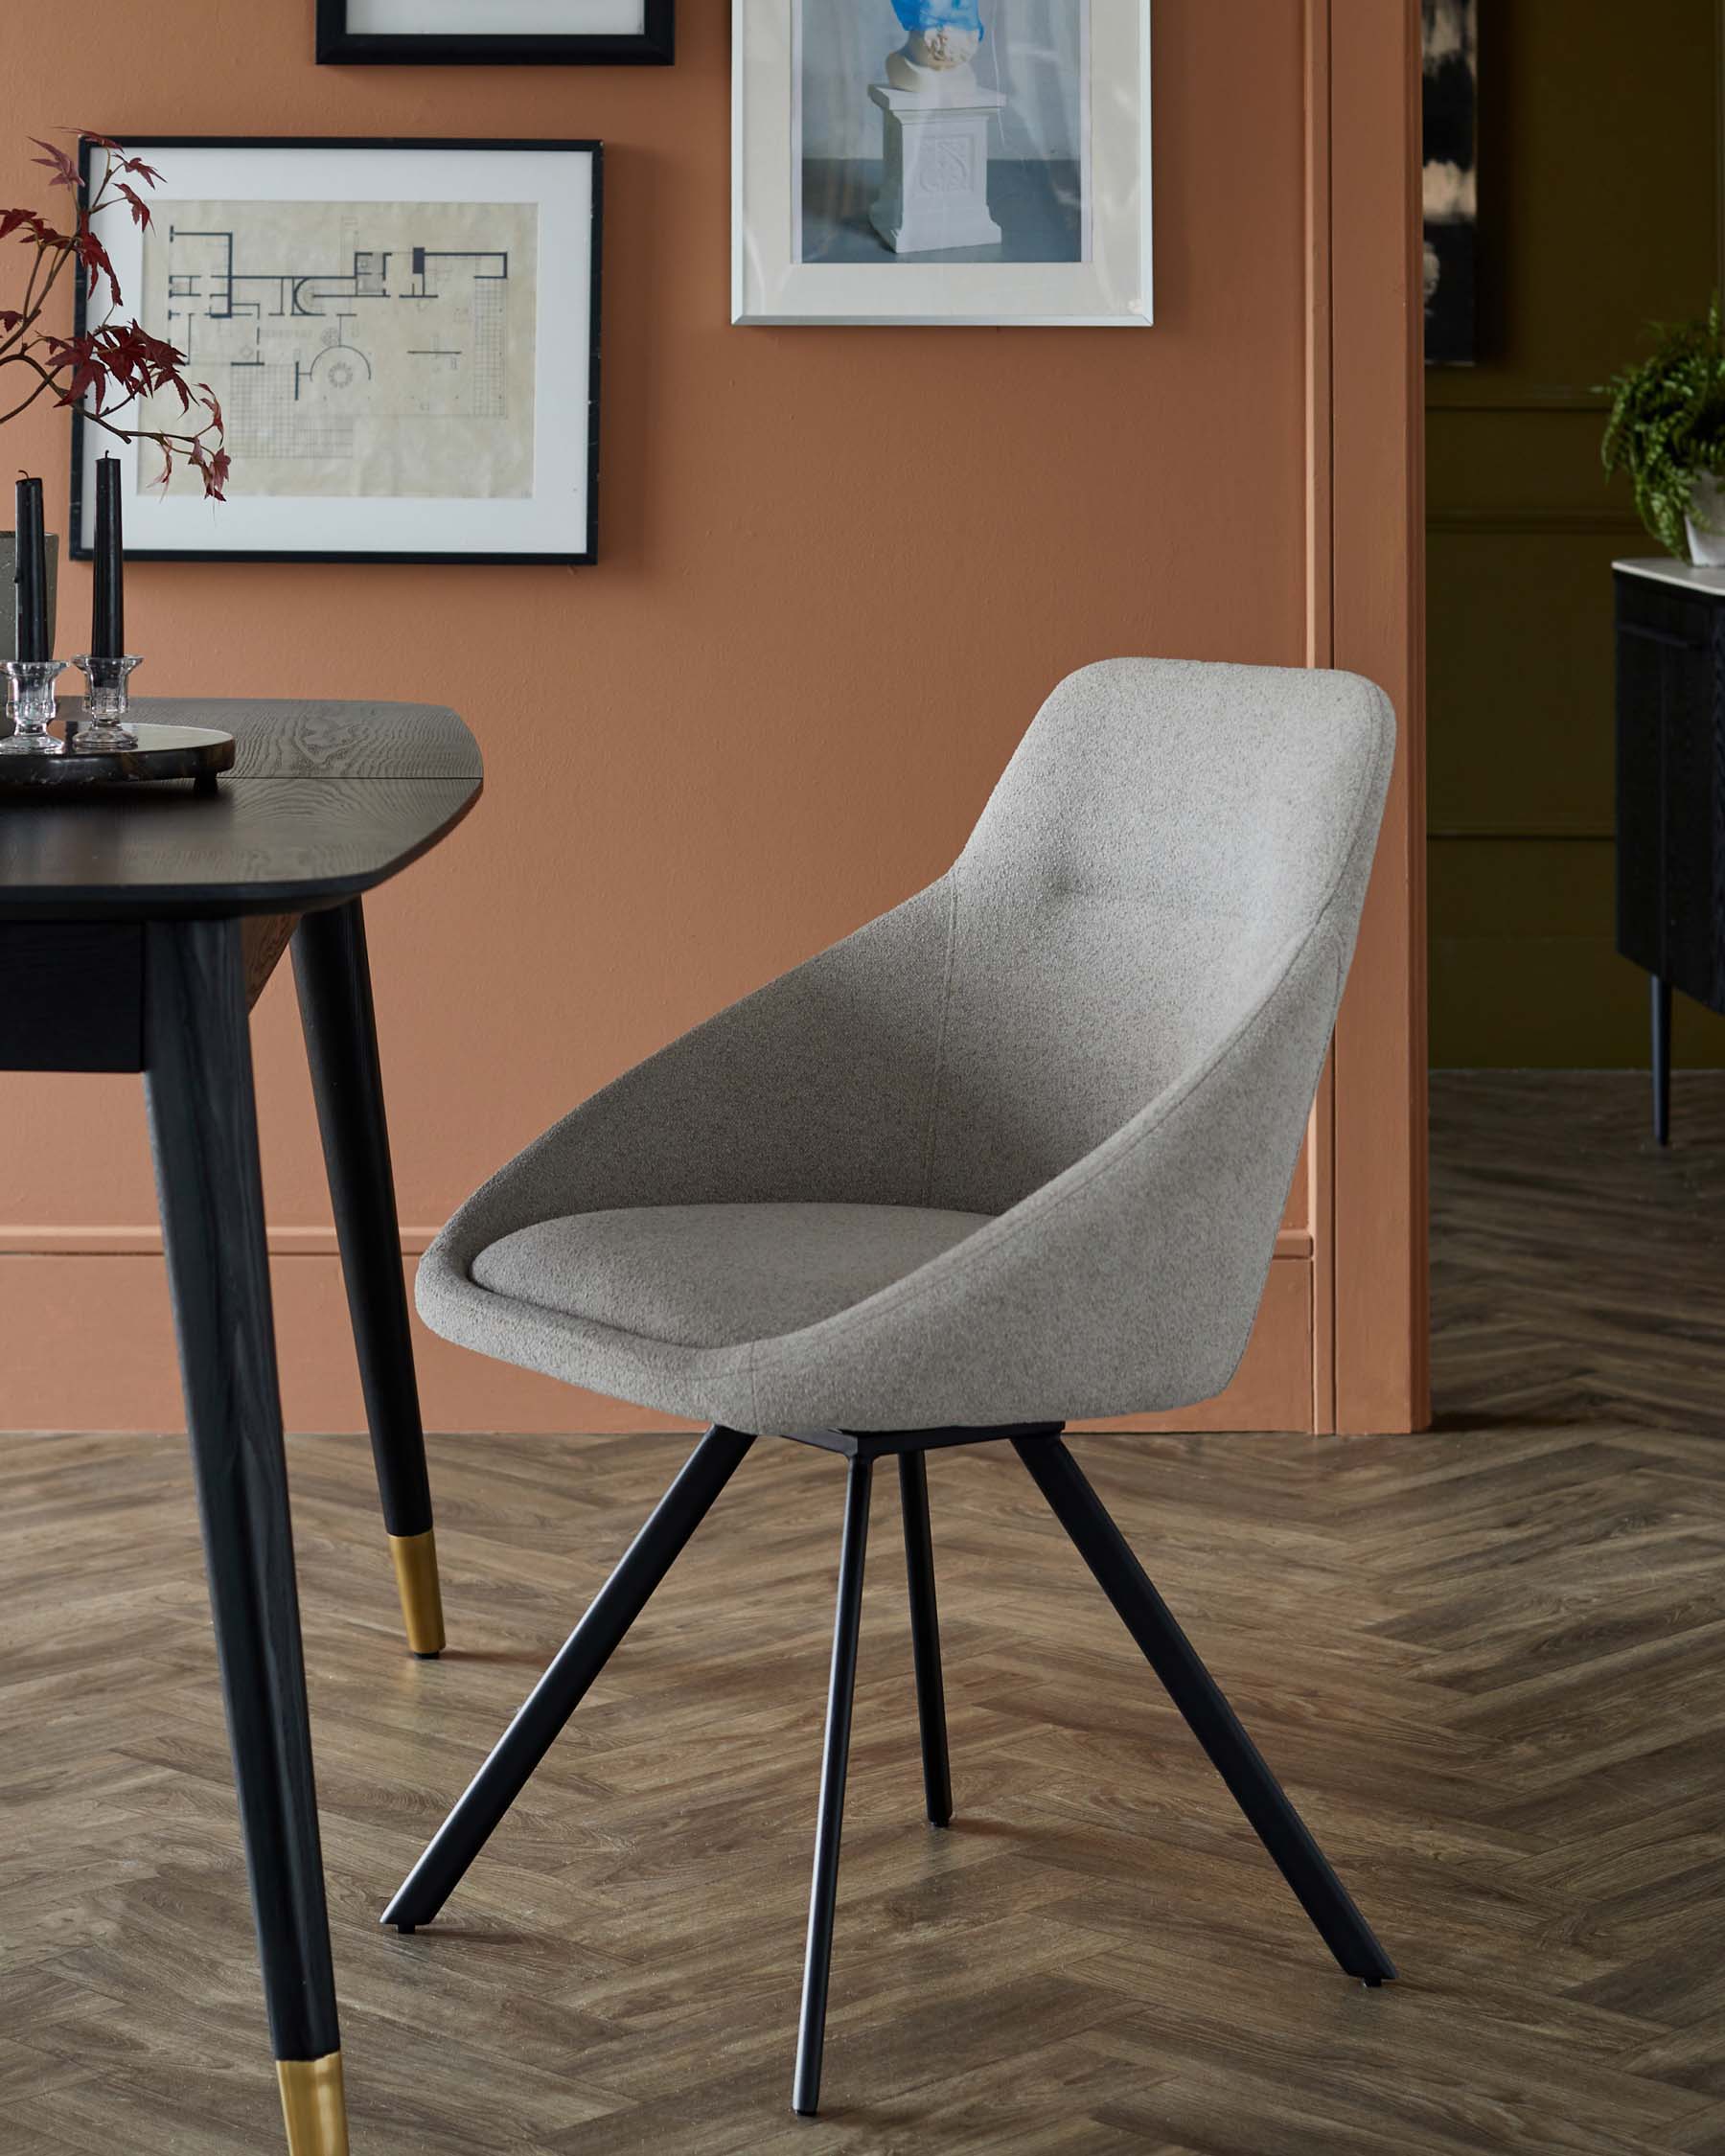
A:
[138,925]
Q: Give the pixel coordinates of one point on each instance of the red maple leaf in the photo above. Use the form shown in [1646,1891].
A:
[38,228]
[95,258]
[64,171]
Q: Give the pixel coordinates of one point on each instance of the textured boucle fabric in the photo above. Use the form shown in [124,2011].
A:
[1088,1052]
[712,1276]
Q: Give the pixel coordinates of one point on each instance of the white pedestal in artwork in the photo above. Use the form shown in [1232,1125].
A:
[934,189]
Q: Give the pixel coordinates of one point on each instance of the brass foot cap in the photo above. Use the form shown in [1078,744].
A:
[415,1558]
[313,2105]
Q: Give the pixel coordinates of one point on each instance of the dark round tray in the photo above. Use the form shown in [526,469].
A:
[162,752]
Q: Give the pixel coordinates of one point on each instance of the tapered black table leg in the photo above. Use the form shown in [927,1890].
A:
[333,977]
[564,1685]
[1198,1697]
[203,1129]
[1662,1061]
[924,1637]
[834,1764]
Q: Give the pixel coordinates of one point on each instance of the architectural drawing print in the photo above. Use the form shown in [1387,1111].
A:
[373,349]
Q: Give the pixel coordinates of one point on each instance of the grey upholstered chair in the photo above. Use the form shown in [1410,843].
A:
[1013,1154]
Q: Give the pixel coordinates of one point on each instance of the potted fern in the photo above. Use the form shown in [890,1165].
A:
[1666,430]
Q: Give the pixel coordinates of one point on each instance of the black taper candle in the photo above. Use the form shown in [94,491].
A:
[30,573]
[107,626]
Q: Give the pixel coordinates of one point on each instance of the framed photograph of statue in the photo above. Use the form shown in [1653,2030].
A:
[981,162]
[403,337]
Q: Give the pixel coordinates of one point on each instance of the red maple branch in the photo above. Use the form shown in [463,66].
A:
[111,368]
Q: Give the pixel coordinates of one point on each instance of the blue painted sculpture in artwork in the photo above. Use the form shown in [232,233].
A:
[936,122]
[940,15]
[944,38]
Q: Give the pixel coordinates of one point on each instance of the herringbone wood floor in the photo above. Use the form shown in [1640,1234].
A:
[1489,1663]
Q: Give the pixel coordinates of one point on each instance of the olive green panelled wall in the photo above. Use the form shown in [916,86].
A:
[1599,193]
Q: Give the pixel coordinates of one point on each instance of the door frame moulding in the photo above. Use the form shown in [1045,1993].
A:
[1366,611]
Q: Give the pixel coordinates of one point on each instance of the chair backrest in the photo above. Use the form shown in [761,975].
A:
[1165,833]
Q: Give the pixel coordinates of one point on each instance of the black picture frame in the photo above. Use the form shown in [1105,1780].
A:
[654,45]
[1451,130]
[147,146]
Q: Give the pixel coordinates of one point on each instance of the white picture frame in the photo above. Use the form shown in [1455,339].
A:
[839,165]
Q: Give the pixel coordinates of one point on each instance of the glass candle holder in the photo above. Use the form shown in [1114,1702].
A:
[29,699]
[106,697]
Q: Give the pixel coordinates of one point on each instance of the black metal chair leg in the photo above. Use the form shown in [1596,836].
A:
[924,1637]
[333,974]
[1212,1720]
[203,1129]
[564,1685]
[847,1626]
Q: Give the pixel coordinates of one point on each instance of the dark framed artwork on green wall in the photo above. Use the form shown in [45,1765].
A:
[502,33]
[1451,107]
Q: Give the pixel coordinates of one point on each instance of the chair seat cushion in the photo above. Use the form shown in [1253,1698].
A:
[716,1275]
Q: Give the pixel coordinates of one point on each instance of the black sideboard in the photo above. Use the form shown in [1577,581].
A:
[1670,791]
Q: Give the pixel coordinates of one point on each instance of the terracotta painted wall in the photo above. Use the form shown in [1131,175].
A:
[839,571]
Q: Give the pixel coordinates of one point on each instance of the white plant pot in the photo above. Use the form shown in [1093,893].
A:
[1707,522]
